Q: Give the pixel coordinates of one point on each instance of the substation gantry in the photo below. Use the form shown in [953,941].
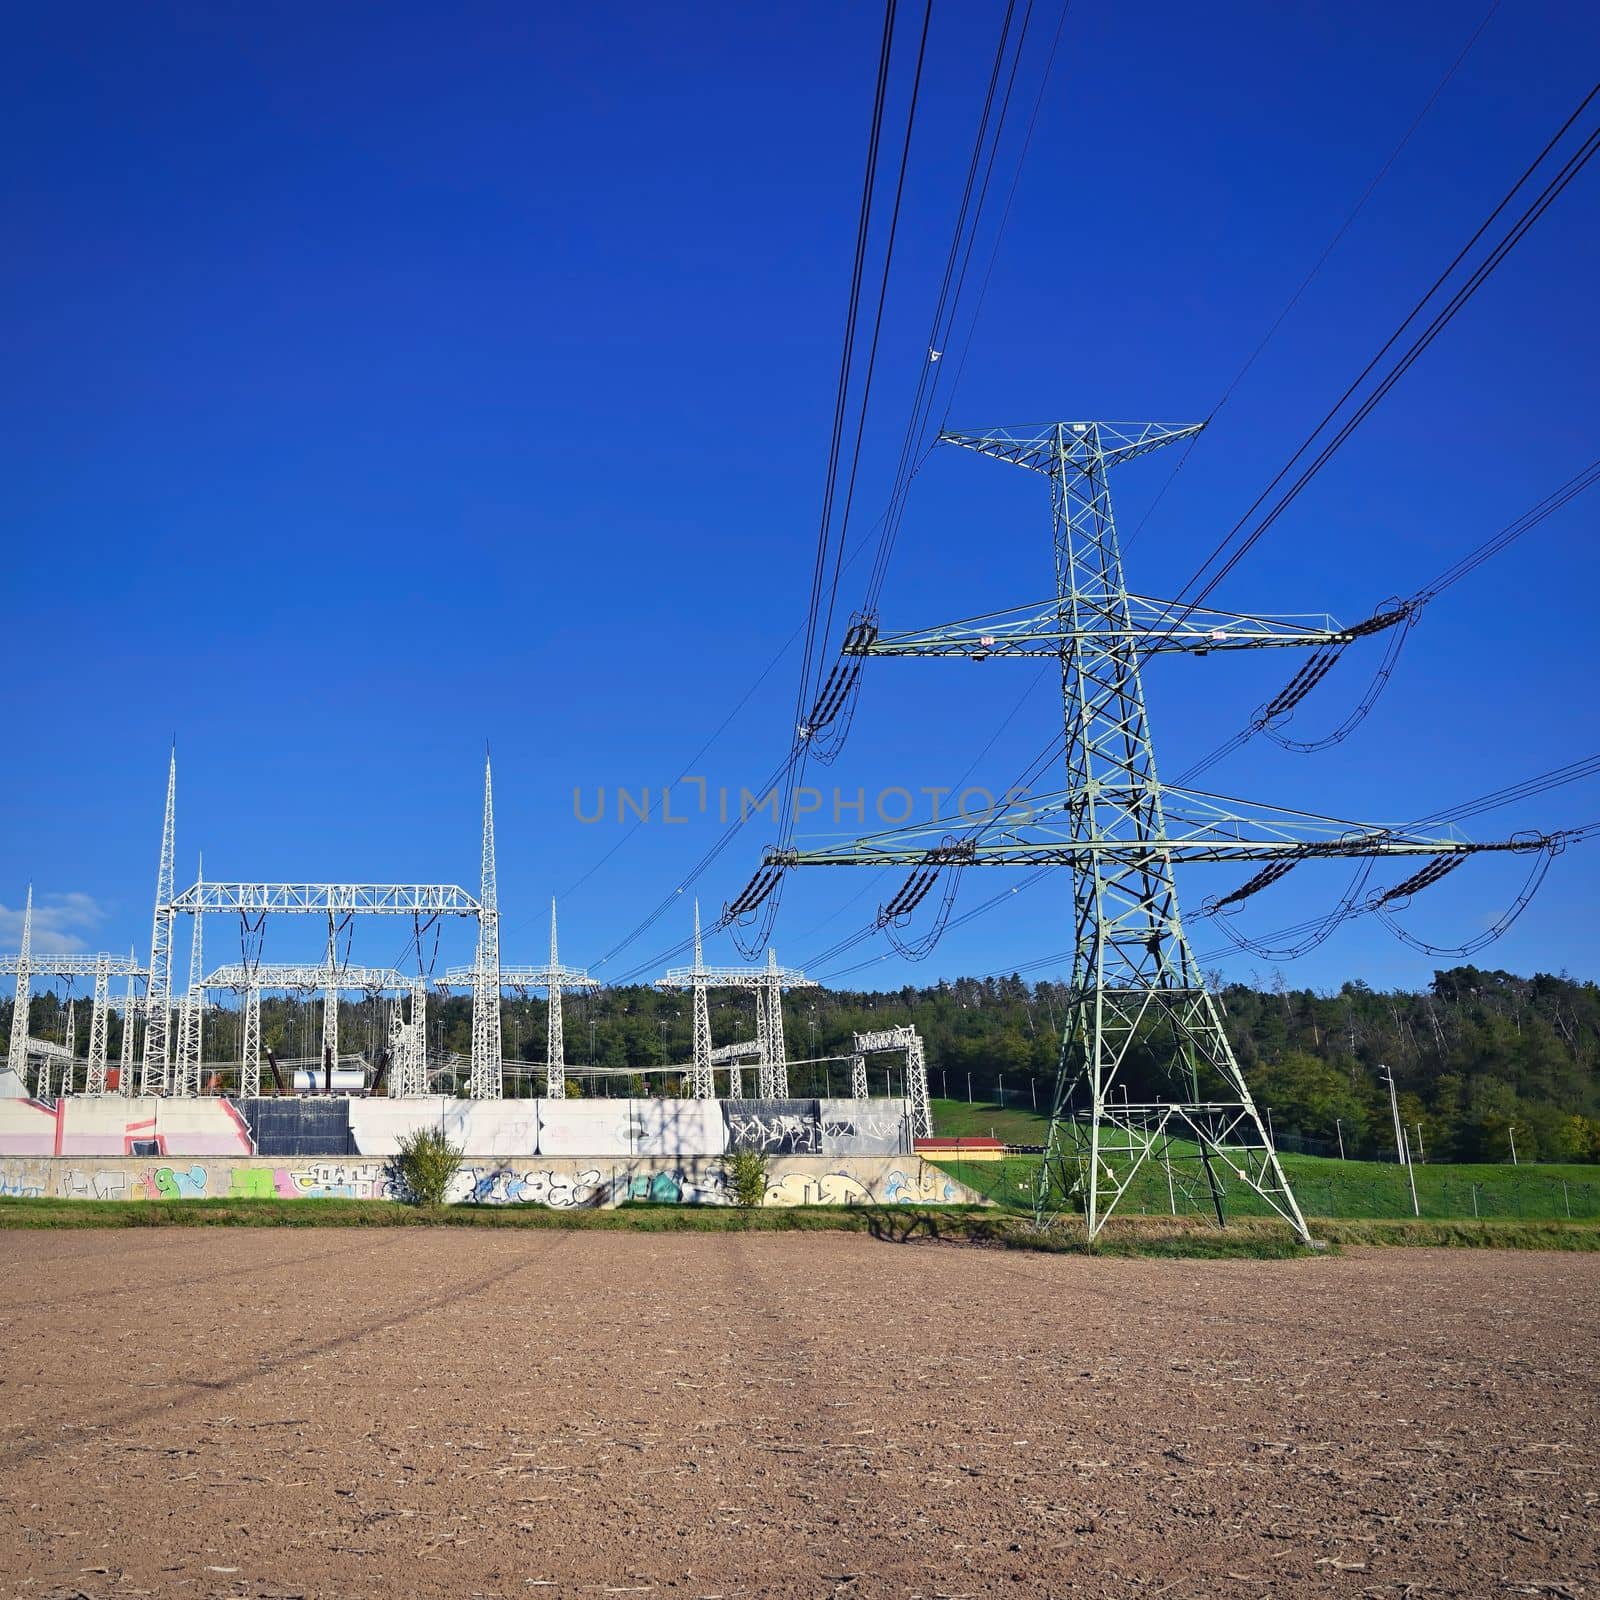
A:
[171,1065]
[101,968]
[770,1050]
[908,1042]
[555,980]
[330,980]
[1139,1007]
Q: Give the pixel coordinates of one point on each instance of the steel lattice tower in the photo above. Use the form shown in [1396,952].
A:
[129,1012]
[186,1078]
[17,1052]
[553,978]
[158,991]
[772,1073]
[95,1074]
[330,998]
[702,1082]
[486,1047]
[1135,985]
[72,1047]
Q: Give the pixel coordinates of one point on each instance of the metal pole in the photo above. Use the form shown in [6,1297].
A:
[1272,1138]
[1511,1133]
[1394,1111]
[1567,1199]
[1411,1173]
[1422,1155]
[969,1088]
[1338,1128]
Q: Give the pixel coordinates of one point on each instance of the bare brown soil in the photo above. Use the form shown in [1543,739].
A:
[332,1413]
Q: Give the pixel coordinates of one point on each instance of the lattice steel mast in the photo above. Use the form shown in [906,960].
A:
[17,1052]
[768,984]
[772,1072]
[702,1083]
[1139,1004]
[553,978]
[158,992]
[186,1080]
[94,1080]
[1134,976]
[330,999]
[129,1013]
[485,1079]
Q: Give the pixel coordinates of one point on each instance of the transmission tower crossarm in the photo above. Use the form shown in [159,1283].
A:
[1146,625]
[1042,830]
[1039,448]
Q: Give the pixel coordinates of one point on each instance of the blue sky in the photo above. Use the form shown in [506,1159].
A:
[383,380]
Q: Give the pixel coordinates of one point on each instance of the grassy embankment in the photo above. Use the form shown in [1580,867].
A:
[1325,1188]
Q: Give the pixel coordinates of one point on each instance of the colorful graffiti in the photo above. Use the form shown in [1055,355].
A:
[853,1180]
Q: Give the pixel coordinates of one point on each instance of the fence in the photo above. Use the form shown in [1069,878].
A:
[1443,1193]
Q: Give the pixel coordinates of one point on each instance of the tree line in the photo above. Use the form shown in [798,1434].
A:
[1480,1058]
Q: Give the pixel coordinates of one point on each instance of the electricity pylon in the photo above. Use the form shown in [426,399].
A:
[1139,1008]
[17,1052]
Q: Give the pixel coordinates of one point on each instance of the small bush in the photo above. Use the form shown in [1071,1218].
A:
[746,1172]
[427,1163]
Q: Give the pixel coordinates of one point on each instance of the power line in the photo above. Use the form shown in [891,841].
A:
[1316,267]
[1407,613]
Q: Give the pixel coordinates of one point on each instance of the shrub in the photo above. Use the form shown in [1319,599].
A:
[746,1173]
[427,1162]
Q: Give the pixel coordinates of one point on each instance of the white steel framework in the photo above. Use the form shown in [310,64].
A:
[102,968]
[768,984]
[554,979]
[252,979]
[486,1082]
[158,991]
[185,1080]
[909,1042]
[17,1053]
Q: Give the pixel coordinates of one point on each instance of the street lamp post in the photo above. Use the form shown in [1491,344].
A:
[1386,1076]
[1511,1134]
[1402,1147]
[1338,1128]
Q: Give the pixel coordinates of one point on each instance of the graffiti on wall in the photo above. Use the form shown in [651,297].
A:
[855,1181]
[774,1127]
[901,1187]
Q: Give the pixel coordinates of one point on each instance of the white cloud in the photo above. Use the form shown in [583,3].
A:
[61,923]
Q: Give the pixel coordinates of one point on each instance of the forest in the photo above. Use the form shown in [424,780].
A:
[1480,1058]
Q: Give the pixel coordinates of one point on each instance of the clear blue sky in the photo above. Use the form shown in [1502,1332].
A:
[380,380]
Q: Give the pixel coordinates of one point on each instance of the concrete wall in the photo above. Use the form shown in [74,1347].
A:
[549,1181]
[285,1126]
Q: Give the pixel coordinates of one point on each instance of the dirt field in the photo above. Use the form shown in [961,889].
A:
[330,1413]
